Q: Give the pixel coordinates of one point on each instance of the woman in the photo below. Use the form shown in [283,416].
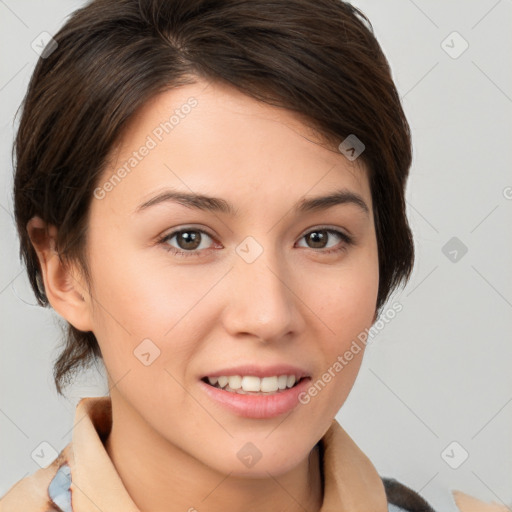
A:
[211,194]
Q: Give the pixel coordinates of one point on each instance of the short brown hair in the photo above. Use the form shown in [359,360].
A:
[317,58]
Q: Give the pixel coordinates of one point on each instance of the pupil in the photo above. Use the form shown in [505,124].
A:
[317,237]
[189,237]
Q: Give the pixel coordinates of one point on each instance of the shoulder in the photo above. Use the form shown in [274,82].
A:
[403,499]
[37,492]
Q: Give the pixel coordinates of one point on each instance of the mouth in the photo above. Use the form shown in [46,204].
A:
[253,385]
[254,392]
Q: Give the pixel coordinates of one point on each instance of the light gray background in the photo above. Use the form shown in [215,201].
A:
[440,370]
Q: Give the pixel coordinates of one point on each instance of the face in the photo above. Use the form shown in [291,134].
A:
[258,282]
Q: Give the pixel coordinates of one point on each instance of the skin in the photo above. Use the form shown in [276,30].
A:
[173,447]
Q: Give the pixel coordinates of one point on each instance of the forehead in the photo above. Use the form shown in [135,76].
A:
[211,138]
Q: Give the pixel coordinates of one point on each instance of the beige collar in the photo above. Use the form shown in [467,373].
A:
[467,503]
[351,483]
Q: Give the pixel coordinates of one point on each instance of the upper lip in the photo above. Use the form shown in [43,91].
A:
[260,371]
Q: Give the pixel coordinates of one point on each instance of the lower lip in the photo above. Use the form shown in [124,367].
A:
[258,406]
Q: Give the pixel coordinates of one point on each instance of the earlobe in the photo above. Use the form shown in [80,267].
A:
[65,292]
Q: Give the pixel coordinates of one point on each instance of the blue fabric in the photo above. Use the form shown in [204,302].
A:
[395,508]
[59,488]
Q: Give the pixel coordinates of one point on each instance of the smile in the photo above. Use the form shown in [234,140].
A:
[250,384]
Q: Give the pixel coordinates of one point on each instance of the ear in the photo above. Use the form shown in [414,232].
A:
[64,288]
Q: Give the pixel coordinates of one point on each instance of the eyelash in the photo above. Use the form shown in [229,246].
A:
[344,237]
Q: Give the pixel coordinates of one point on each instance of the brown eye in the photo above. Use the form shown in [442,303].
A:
[320,238]
[317,238]
[187,241]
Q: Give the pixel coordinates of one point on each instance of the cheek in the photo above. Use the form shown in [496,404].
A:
[346,298]
[139,296]
[347,307]
[348,313]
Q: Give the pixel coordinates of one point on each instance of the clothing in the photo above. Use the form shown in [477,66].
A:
[469,504]
[83,473]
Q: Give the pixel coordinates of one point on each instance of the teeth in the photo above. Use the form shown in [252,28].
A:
[250,383]
[223,381]
[269,384]
[235,382]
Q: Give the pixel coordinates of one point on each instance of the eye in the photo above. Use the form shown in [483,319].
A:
[194,242]
[189,241]
[319,238]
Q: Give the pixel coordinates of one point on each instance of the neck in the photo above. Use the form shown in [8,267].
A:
[161,476]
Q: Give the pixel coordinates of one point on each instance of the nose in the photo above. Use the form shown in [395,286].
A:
[261,299]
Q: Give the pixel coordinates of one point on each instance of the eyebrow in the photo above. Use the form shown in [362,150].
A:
[217,204]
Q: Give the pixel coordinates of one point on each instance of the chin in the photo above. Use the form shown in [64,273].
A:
[258,459]
[261,469]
